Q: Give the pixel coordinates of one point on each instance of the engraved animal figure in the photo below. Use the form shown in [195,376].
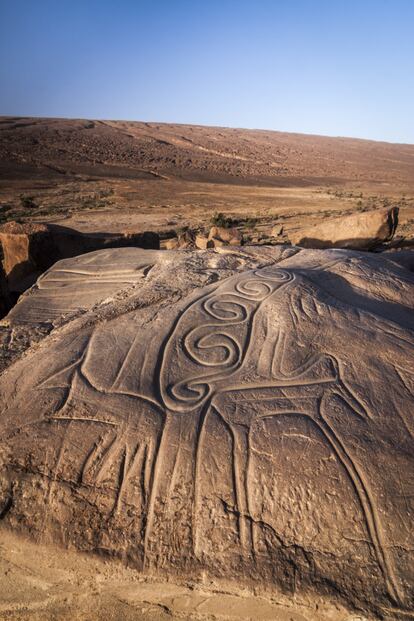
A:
[210,360]
[207,364]
[131,429]
[240,406]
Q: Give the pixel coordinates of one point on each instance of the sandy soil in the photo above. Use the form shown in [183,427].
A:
[40,582]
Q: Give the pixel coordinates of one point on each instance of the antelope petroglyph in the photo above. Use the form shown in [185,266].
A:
[218,358]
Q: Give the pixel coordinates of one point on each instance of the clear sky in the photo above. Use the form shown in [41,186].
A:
[335,67]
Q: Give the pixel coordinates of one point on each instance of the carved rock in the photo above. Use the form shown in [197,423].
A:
[227,413]
[30,249]
[358,231]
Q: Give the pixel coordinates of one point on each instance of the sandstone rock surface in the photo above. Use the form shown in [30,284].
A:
[358,231]
[222,236]
[277,230]
[202,242]
[30,249]
[228,413]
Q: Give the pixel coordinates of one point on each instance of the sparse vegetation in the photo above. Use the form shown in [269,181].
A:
[28,202]
[251,223]
[219,219]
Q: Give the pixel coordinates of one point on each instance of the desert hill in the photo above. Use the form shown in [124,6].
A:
[112,176]
[136,149]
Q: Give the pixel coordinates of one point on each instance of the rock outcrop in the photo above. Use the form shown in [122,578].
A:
[227,413]
[216,238]
[359,231]
[223,236]
[5,302]
[29,249]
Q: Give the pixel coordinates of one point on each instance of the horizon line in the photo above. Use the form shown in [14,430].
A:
[225,127]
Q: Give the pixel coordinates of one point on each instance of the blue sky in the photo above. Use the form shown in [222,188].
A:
[327,67]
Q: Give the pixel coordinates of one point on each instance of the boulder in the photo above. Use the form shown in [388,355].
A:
[5,301]
[235,241]
[225,234]
[186,239]
[277,230]
[202,242]
[172,244]
[215,242]
[77,284]
[362,230]
[30,249]
[225,415]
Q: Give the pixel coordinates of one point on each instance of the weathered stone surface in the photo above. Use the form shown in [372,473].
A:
[277,230]
[5,303]
[30,249]
[231,413]
[358,231]
[172,244]
[79,283]
[202,242]
[217,243]
[227,235]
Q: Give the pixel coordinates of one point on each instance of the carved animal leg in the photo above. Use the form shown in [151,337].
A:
[367,504]
[227,410]
[154,477]
[240,466]
[197,474]
[344,391]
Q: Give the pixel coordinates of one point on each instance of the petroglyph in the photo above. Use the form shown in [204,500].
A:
[171,433]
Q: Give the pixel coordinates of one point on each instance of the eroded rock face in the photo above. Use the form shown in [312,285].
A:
[30,248]
[234,414]
[362,231]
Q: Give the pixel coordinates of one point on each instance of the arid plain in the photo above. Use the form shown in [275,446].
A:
[113,176]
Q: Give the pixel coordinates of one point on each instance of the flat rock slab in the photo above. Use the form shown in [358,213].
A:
[80,283]
[29,249]
[232,413]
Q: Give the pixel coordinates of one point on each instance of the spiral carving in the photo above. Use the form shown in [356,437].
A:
[213,349]
[190,393]
[212,337]
[225,308]
[254,289]
[274,273]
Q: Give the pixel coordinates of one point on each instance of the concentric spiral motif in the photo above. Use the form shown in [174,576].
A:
[211,338]
[254,289]
[212,349]
[225,308]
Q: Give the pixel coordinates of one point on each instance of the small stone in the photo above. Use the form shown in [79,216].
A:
[172,244]
[276,230]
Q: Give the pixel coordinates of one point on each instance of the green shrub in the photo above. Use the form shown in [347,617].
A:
[251,223]
[219,219]
[27,202]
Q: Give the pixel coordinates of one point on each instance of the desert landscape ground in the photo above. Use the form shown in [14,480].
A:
[113,176]
[213,422]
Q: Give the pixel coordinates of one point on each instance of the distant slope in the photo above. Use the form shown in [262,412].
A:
[44,147]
